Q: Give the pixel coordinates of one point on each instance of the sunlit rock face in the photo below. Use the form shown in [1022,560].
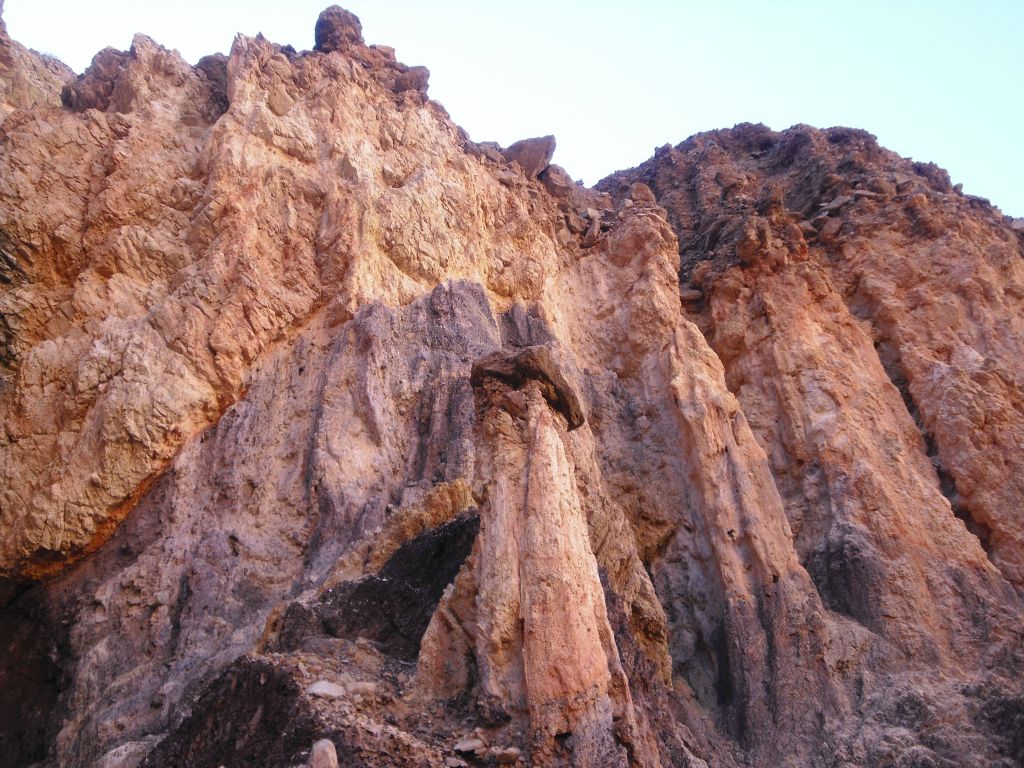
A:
[324,422]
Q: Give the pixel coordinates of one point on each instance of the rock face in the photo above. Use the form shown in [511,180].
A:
[332,437]
[27,78]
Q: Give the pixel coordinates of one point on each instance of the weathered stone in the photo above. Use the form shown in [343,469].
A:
[506,755]
[641,193]
[532,155]
[558,182]
[468,745]
[213,69]
[536,364]
[280,102]
[755,242]
[325,689]
[575,223]
[831,229]
[837,203]
[337,30]
[883,186]
[412,79]
[323,755]
[488,149]
[93,89]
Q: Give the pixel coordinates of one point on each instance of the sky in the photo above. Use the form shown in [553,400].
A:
[936,80]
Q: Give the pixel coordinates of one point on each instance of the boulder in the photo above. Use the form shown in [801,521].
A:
[412,79]
[337,30]
[557,181]
[532,155]
[323,755]
[325,689]
[506,755]
[641,193]
[468,745]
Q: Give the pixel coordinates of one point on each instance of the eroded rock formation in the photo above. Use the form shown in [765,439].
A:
[324,422]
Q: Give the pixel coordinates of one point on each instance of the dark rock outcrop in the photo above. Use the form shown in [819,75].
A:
[337,30]
[392,607]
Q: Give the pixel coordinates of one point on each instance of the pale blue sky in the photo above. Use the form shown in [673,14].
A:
[939,80]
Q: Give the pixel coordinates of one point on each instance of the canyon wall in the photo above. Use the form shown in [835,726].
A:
[323,421]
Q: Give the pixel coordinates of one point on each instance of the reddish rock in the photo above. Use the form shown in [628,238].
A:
[558,182]
[413,79]
[323,422]
[641,193]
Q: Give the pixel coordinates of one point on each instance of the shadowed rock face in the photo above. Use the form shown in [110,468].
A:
[393,606]
[531,364]
[30,676]
[322,421]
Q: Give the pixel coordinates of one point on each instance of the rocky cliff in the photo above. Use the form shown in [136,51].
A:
[333,437]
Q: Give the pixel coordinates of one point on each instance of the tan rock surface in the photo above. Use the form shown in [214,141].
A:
[718,464]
